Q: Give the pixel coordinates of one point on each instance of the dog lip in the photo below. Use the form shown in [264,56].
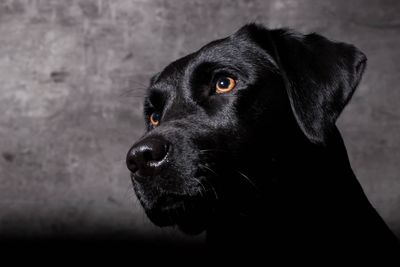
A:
[174,209]
[167,211]
[168,200]
[136,175]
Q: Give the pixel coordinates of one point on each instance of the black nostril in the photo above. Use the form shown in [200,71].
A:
[157,152]
[131,163]
[147,156]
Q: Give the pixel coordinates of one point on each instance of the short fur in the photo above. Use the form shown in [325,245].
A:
[262,169]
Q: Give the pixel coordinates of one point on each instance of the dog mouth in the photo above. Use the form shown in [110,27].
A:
[192,203]
[189,213]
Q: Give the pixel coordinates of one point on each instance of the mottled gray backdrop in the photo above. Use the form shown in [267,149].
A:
[72,73]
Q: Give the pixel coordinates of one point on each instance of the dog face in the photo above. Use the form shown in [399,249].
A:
[225,111]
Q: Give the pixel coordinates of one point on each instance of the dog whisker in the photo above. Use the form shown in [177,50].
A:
[134,96]
[214,191]
[212,150]
[246,178]
[138,83]
[133,92]
[207,182]
[208,168]
[202,186]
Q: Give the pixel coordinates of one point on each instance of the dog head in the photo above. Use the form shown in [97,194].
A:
[222,113]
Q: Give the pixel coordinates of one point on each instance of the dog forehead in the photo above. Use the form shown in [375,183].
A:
[229,50]
[232,49]
[238,50]
[212,51]
[172,72]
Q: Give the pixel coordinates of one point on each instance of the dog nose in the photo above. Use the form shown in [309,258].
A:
[147,157]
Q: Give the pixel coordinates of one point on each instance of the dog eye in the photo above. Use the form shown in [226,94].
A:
[155,119]
[224,85]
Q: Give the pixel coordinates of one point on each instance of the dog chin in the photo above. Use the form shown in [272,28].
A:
[190,218]
[192,226]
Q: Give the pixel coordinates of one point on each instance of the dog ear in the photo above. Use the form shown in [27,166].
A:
[320,76]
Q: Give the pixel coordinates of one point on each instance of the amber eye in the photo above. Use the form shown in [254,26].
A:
[225,85]
[154,119]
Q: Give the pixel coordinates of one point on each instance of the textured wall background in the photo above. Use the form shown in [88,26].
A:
[72,73]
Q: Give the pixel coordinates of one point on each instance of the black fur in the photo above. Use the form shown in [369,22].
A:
[263,168]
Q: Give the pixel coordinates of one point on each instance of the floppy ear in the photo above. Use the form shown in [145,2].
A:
[320,76]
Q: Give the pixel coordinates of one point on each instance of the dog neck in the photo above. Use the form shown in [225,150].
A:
[308,194]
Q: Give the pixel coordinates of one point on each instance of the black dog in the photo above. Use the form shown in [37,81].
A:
[241,142]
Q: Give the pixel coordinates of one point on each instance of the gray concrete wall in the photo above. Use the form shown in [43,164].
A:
[72,73]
